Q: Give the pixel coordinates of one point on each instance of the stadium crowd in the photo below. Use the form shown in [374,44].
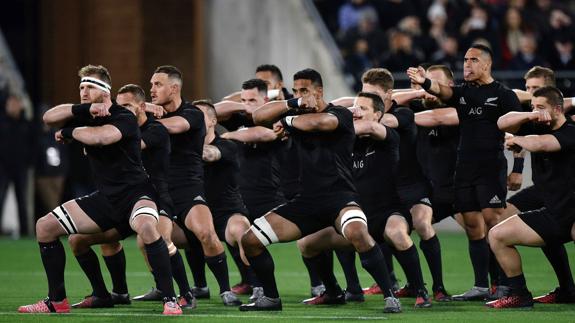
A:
[398,34]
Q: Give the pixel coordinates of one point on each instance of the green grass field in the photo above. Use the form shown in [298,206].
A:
[23,282]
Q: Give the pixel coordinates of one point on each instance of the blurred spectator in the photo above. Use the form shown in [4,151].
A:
[421,42]
[437,17]
[479,26]
[448,54]
[51,169]
[563,58]
[350,13]
[527,56]
[367,29]
[358,62]
[512,30]
[401,52]
[392,11]
[16,144]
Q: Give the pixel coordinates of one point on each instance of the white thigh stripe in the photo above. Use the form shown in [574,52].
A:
[264,232]
[145,210]
[352,216]
[65,220]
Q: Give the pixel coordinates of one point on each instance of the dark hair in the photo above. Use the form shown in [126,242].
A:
[309,74]
[446,70]
[256,83]
[276,72]
[552,94]
[484,49]
[375,100]
[173,73]
[544,72]
[381,77]
[100,71]
[207,103]
[135,90]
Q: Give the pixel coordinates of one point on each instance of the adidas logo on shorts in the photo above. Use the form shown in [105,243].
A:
[199,198]
[495,200]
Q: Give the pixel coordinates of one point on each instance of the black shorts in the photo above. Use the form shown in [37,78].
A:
[480,185]
[377,221]
[165,205]
[443,203]
[313,213]
[547,227]
[416,193]
[125,230]
[185,198]
[257,210]
[527,199]
[221,218]
[109,212]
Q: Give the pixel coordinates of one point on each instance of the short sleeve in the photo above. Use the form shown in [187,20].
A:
[405,117]
[344,117]
[156,135]
[509,102]
[458,92]
[566,137]
[228,150]
[193,115]
[125,122]
[236,121]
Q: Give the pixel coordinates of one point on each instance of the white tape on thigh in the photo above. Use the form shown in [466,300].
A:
[65,220]
[350,216]
[145,210]
[264,232]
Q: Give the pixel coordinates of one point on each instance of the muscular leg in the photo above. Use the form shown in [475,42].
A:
[48,231]
[503,238]
[422,216]
[259,257]
[396,232]
[146,226]
[199,221]
[370,255]
[478,248]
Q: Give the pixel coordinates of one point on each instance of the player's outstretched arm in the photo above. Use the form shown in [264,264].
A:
[511,122]
[404,97]
[437,117]
[372,129]
[251,135]
[175,124]
[534,143]
[345,101]
[235,96]
[325,122]
[211,154]
[225,109]
[417,75]
[271,112]
[91,136]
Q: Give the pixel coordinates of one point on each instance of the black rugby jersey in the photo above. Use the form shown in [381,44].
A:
[221,179]
[325,158]
[478,109]
[186,164]
[375,164]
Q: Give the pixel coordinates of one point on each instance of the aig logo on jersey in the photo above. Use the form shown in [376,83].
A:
[476,111]
[358,164]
